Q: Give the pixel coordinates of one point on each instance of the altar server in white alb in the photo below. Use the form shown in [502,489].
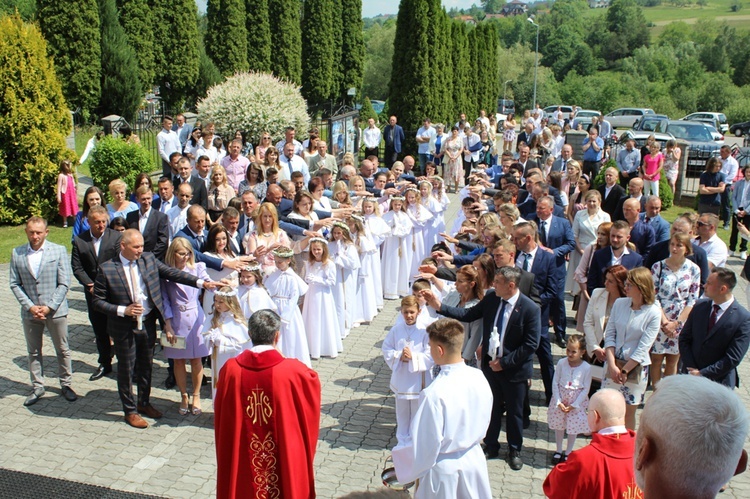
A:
[443,449]
[407,353]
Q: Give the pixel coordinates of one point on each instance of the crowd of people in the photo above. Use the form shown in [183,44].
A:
[285,228]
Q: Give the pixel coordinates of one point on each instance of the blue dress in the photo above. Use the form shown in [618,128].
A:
[122,213]
[181,305]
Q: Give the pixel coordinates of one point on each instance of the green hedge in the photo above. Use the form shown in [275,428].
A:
[116,158]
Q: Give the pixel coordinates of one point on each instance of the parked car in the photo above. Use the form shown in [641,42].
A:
[584,116]
[553,109]
[717,135]
[506,106]
[703,115]
[740,129]
[625,117]
[701,144]
[378,105]
[651,123]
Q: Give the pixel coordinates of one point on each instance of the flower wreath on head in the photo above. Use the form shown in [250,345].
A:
[283,253]
[226,294]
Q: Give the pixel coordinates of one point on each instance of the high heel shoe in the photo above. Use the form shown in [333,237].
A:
[184,405]
[197,411]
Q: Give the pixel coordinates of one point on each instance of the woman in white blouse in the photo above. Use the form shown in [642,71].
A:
[585,225]
[466,295]
[630,333]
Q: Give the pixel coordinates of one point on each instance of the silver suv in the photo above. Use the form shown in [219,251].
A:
[625,117]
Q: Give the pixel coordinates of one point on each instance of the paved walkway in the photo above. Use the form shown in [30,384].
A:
[87,441]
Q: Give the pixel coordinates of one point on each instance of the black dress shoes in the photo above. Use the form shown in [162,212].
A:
[34,397]
[69,394]
[491,454]
[170,382]
[100,372]
[514,459]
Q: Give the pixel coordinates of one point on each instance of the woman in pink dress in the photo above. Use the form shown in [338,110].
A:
[67,195]
[266,237]
[652,165]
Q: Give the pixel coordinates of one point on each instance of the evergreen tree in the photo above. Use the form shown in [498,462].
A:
[317,51]
[474,89]
[367,112]
[286,39]
[136,19]
[352,45]
[258,35]
[338,35]
[226,35]
[208,76]
[34,121]
[439,57]
[177,63]
[491,73]
[461,68]
[71,29]
[121,87]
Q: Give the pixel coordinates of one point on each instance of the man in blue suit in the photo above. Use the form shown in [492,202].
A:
[532,258]
[616,254]
[196,233]
[394,137]
[508,367]
[653,217]
[556,236]
[716,334]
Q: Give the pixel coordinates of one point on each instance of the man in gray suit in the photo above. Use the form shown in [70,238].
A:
[40,278]
[561,163]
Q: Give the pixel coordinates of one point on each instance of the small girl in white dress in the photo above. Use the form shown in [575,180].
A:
[570,397]
[319,310]
[365,308]
[253,296]
[378,230]
[285,288]
[436,225]
[421,218]
[396,258]
[344,254]
[225,332]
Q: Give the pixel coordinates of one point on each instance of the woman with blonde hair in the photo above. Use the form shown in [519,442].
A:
[120,205]
[266,237]
[263,146]
[585,226]
[219,194]
[183,317]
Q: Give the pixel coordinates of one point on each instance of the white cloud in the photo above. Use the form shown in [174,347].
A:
[372,8]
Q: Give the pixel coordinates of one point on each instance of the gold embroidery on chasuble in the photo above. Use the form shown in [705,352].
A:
[264,467]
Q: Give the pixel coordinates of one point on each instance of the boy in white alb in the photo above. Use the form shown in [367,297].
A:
[406,352]
[442,449]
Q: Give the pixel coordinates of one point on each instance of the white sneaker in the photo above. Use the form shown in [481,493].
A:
[743,255]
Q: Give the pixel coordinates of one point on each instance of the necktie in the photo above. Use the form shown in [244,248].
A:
[133,278]
[714,316]
[526,258]
[289,163]
[543,232]
[499,325]
[565,165]
[647,219]
[200,241]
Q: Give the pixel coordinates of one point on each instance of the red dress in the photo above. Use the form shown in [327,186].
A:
[267,416]
[67,197]
[601,470]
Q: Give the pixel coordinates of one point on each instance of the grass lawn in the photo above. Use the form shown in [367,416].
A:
[10,237]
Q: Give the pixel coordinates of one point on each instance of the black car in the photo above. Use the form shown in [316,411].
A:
[740,129]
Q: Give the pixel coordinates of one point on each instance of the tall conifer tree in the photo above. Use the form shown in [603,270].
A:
[317,51]
[136,18]
[226,35]
[286,39]
[258,35]
[352,45]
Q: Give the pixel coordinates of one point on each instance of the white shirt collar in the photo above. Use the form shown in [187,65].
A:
[723,306]
[612,430]
[124,260]
[32,251]
[262,348]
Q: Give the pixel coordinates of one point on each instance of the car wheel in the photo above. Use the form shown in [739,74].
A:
[738,132]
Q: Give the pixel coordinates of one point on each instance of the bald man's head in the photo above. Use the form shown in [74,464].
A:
[606,408]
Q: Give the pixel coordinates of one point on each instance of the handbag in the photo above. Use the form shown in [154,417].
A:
[635,375]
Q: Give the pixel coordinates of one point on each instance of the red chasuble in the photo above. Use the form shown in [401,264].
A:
[267,415]
[601,470]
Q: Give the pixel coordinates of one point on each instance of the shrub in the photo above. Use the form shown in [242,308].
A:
[665,192]
[116,158]
[254,102]
[367,111]
[34,121]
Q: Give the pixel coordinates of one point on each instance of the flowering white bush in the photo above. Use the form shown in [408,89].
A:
[254,103]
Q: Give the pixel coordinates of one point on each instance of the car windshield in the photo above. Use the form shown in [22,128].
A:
[650,125]
[691,132]
[587,114]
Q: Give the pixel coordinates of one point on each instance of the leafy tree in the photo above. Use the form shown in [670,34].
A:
[378,60]
[286,39]
[136,19]
[627,27]
[461,67]
[226,35]
[258,35]
[208,76]
[34,121]
[121,87]
[317,51]
[517,64]
[352,45]
[675,34]
[492,6]
[26,8]
[177,63]
[72,33]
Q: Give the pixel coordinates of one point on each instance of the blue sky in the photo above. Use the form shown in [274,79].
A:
[372,8]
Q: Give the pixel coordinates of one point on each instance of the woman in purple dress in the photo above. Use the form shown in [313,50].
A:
[184,318]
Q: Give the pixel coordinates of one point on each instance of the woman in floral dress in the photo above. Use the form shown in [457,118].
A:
[677,281]
[454,171]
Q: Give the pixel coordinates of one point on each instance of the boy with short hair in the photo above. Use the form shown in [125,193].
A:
[442,449]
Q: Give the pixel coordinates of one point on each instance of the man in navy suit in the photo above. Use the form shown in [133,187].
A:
[151,223]
[196,233]
[653,217]
[716,334]
[556,235]
[508,367]
[616,254]
[394,137]
[532,258]
[660,251]
[611,191]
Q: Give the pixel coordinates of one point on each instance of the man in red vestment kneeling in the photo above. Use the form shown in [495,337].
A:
[604,468]
[267,415]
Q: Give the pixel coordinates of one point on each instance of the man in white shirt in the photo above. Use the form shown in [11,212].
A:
[178,213]
[424,135]
[203,170]
[167,142]
[235,164]
[371,138]
[472,146]
[729,167]
[230,219]
[484,119]
[291,162]
[716,250]
[289,134]
[443,449]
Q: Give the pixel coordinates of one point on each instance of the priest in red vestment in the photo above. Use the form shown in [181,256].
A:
[267,415]
[604,468]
